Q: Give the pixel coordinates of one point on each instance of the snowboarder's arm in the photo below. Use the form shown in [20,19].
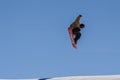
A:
[76,23]
[78,19]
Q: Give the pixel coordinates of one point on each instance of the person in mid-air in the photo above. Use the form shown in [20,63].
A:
[76,28]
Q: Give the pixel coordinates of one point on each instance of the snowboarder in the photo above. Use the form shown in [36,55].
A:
[76,28]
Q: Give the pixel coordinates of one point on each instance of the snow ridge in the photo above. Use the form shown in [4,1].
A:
[101,77]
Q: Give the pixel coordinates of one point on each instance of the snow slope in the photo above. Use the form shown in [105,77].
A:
[109,77]
[104,77]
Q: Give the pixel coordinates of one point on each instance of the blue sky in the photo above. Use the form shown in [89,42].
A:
[34,42]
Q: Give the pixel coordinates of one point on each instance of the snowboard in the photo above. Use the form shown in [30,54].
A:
[72,37]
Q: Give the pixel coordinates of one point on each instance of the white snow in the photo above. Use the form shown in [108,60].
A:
[108,77]
[102,77]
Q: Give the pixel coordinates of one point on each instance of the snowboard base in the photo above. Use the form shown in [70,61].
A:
[72,37]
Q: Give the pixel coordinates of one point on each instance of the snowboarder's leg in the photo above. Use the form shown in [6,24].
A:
[77,37]
[76,32]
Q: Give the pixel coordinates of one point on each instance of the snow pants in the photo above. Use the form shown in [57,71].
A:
[76,32]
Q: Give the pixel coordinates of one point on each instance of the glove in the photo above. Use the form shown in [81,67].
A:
[80,15]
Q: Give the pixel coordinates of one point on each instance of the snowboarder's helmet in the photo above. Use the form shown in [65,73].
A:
[82,25]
